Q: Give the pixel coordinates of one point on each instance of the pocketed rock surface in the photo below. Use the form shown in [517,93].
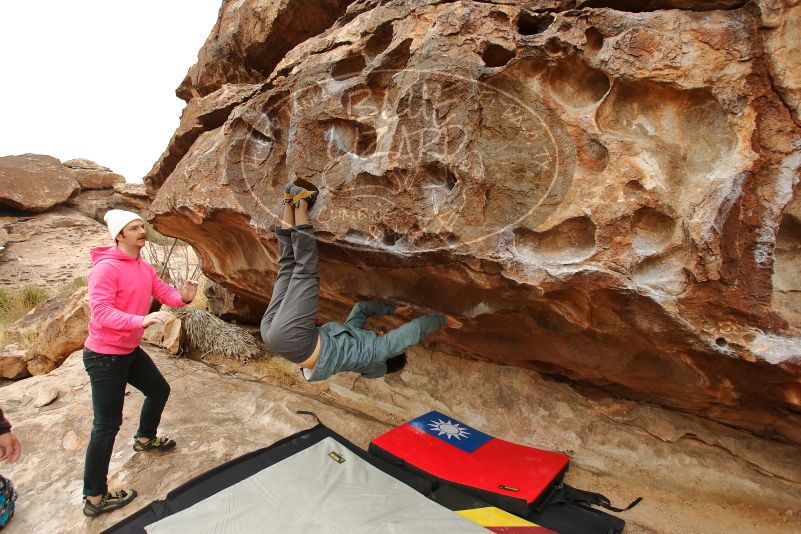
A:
[603,191]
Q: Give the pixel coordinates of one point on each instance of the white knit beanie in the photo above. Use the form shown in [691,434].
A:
[117,219]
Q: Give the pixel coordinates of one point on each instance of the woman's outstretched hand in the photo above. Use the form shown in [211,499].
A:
[452,323]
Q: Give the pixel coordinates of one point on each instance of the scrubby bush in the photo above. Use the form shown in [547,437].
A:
[14,305]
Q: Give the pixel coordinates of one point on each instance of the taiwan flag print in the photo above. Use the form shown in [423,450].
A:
[452,451]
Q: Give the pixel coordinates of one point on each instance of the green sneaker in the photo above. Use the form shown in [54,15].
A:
[111,501]
[161,444]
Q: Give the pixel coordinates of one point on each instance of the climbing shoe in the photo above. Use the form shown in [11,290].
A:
[288,193]
[161,444]
[111,501]
[300,193]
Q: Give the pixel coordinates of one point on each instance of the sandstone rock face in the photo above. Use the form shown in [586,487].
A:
[52,331]
[132,195]
[230,306]
[607,195]
[34,183]
[90,175]
[251,37]
[166,335]
[12,362]
[50,249]
[95,203]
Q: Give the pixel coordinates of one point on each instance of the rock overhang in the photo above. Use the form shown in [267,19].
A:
[588,199]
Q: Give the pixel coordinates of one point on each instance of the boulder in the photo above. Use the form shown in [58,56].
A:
[251,37]
[132,197]
[230,306]
[34,183]
[95,203]
[167,335]
[12,362]
[91,175]
[605,192]
[52,331]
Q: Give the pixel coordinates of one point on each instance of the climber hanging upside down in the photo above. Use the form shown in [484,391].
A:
[288,326]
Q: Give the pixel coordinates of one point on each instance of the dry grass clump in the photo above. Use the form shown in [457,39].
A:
[210,335]
[14,305]
[69,287]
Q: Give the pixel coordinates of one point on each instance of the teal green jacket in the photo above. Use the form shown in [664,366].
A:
[349,347]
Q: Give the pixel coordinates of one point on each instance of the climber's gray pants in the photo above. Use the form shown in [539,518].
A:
[288,326]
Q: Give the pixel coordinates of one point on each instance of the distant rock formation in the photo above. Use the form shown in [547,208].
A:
[604,190]
[35,183]
[93,176]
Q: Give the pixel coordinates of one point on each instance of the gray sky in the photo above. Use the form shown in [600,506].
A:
[96,79]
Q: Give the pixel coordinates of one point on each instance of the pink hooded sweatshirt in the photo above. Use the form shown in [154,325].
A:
[120,289]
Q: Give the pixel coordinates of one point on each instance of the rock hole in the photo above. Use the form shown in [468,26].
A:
[721,342]
[570,241]
[592,154]
[343,136]
[528,24]
[686,131]
[553,45]
[495,55]
[348,67]
[499,16]
[440,175]
[364,101]
[634,187]
[393,62]
[651,230]
[304,183]
[390,236]
[380,40]
[575,84]
[595,39]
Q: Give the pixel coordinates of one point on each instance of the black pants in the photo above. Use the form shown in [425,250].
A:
[109,374]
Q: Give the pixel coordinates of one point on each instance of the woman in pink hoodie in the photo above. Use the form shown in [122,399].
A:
[121,285]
